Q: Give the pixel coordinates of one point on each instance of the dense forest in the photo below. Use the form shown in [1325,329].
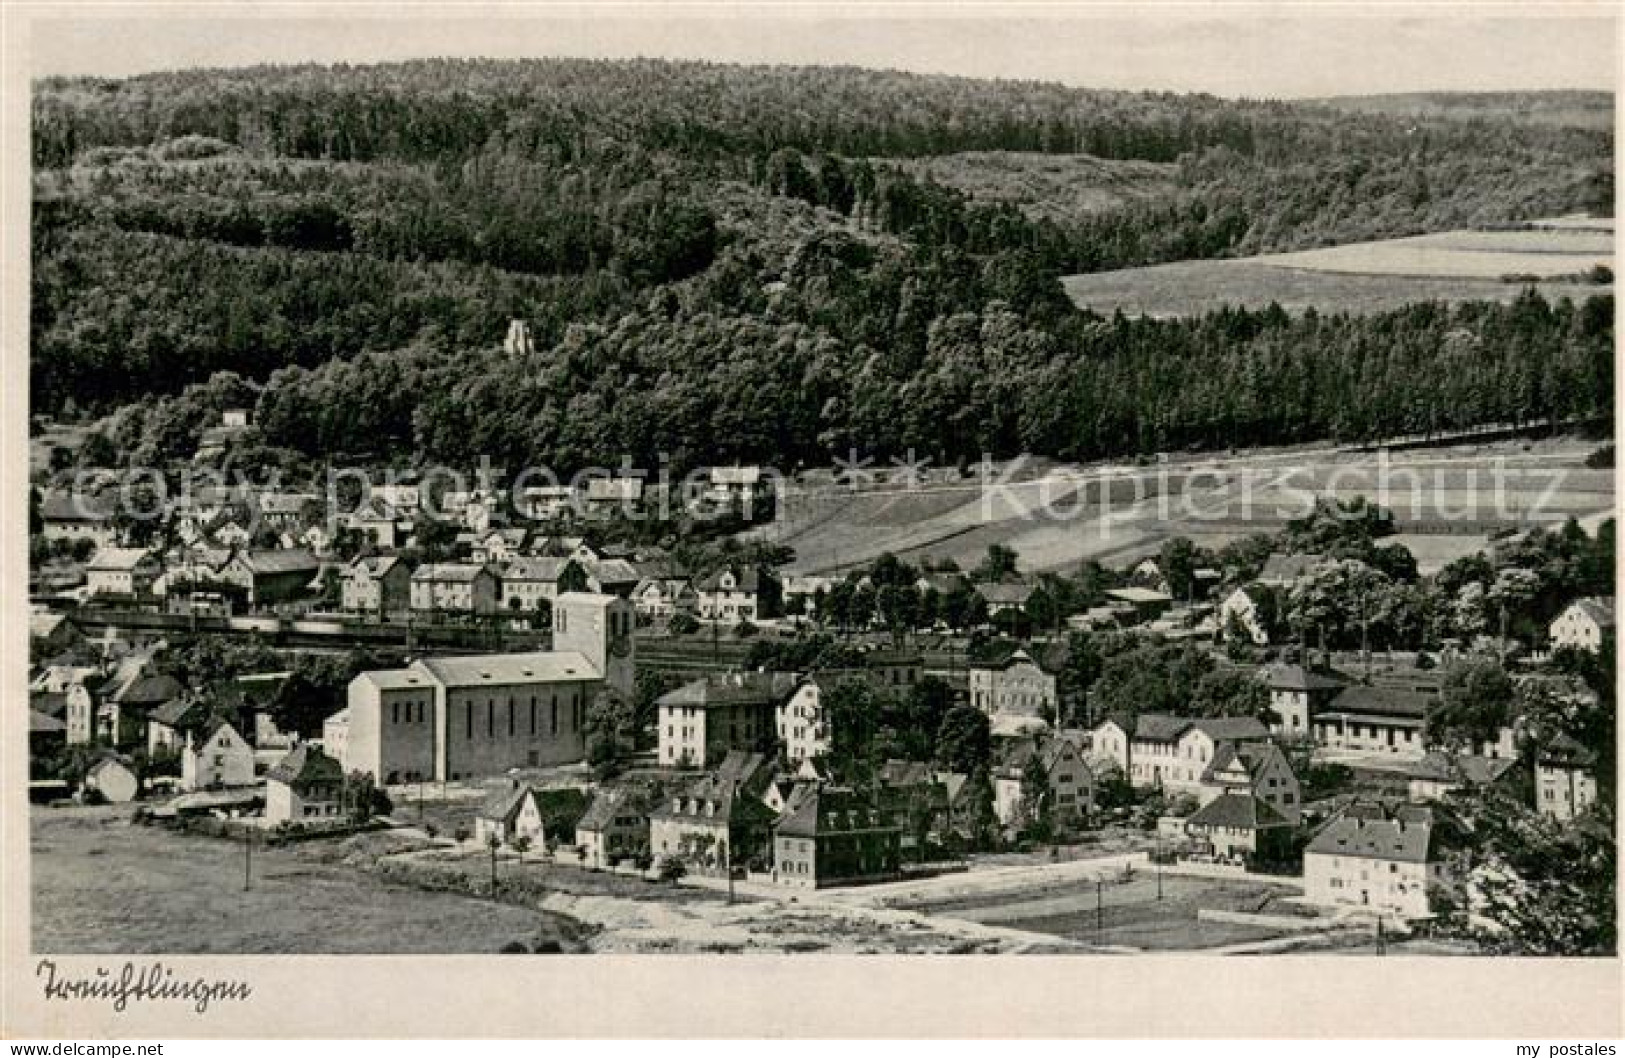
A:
[725,262]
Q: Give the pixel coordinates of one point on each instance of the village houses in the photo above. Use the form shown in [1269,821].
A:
[126,572]
[1171,752]
[1584,625]
[1565,778]
[835,836]
[306,786]
[216,755]
[701,721]
[379,587]
[731,595]
[1385,859]
[458,588]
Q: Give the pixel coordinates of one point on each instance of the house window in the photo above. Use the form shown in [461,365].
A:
[468,720]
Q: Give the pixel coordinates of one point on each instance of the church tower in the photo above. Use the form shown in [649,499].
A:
[599,627]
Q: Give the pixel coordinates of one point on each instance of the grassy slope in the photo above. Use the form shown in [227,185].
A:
[102,885]
[1357,277]
[1243,495]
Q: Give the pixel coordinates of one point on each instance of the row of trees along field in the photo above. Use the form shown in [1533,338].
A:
[719,262]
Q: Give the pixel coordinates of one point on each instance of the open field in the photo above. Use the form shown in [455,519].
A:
[1117,514]
[1365,277]
[103,885]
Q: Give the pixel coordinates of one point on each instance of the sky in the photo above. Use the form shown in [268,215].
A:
[1287,51]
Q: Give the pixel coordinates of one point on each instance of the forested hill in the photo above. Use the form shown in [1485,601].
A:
[1573,109]
[725,262]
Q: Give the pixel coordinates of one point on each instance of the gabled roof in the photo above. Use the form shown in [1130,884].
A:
[505,804]
[42,724]
[58,506]
[1446,767]
[119,559]
[1237,809]
[1566,752]
[269,563]
[1138,595]
[745,580]
[373,567]
[541,570]
[541,666]
[903,773]
[1298,678]
[212,728]
[449,572]
[180,713]
[1005,593]
[732,688]
[1408,834]
[667,586]
[1286,569]
[710,799]
[148,691]
[51,703]
[614,571]
[609,802]
[1221,728]
[306,764]
[1250,755]
[1160,727]
[827,810]
[1381,701]
[1599,608]
[742,767]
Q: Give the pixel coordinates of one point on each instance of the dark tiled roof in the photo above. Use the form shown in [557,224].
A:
[44,724]
[1381,701]
[825,811]
[746,580]
[1407,834]
[1445,767]
[504,804]
[736,688]
[1599,609]
[305,765]
[149,691]
[1005,594]
[1234,809]
[1564,751]
[290,560]
[1298,678]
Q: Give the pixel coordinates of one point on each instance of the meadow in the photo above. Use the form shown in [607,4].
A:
[1366,277]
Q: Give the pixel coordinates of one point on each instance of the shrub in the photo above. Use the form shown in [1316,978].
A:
[672,869]
[683,624]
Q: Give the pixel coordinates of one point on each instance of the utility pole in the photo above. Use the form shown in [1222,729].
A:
[1382,945]
[1159,864]
[1100,908]
[728,864]
[248,858]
